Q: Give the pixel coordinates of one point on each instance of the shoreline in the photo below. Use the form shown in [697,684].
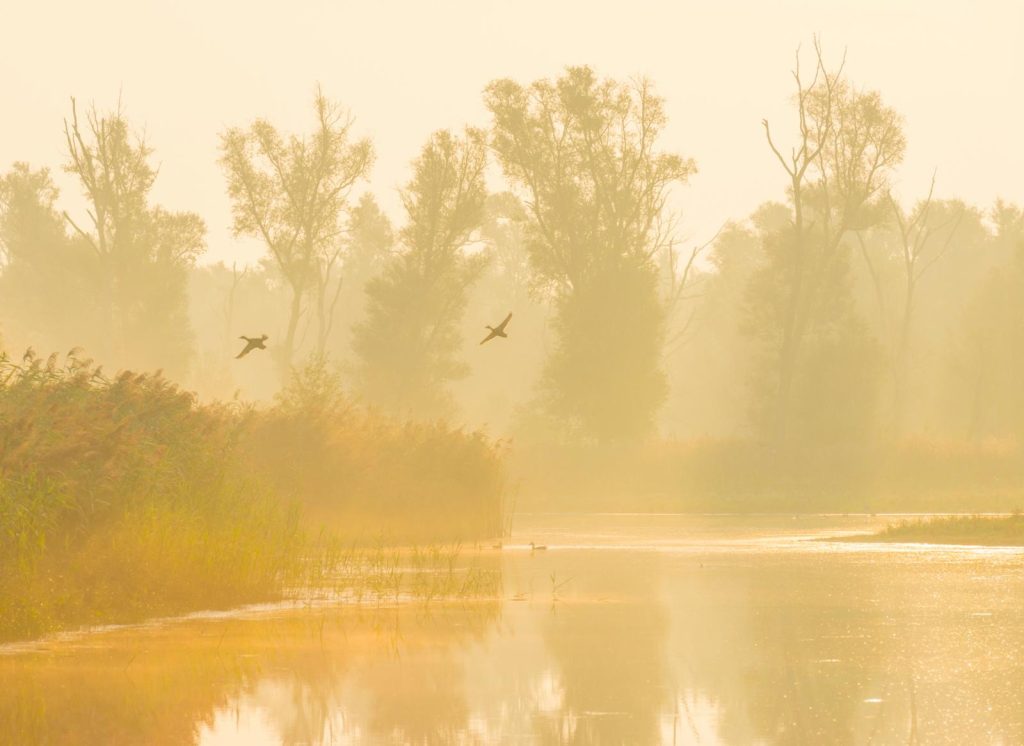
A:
[986,530]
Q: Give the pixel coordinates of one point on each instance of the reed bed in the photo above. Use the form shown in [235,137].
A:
[372,479]
[123,498]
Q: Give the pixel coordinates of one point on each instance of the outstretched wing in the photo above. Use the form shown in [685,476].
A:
[493,333]
[249,347]
[503,324]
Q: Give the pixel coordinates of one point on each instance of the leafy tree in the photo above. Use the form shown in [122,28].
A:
[48,280]
[504,229]
[584,151]
[369,243]
[408,344]
[291,192]
[988,351]
[370,239]
[835,378]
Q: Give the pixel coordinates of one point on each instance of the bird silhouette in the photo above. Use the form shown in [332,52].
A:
[537,547]
[497,331]
[252,343]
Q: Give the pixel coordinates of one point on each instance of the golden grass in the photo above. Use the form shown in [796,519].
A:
[958,529]
[126,498]
[370,478]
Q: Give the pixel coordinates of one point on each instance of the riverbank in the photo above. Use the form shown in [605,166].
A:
[125,498]
[617,633]
[983,530]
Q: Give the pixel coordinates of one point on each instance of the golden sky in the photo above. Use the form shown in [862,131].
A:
[188,69]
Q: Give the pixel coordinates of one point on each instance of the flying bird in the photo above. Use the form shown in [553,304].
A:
[252,343]
[497,331]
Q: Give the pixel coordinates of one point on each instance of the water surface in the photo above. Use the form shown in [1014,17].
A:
[638,629]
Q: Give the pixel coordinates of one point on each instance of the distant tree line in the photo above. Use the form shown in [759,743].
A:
[835,315]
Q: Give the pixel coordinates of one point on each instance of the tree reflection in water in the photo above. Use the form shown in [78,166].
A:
[755,644]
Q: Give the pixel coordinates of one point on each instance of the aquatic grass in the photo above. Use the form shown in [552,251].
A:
[988,530]
[381,575]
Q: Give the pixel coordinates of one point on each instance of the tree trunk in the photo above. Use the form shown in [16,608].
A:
[288,348]
[790,336]
[902,361]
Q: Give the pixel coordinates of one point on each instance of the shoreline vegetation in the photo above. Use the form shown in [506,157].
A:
[125,498]
[977,530]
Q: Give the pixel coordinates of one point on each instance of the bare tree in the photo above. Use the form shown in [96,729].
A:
[915,232]
[143,252]
[847,143]
[680,287]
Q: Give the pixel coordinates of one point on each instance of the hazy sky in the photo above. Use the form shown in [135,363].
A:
[188,69]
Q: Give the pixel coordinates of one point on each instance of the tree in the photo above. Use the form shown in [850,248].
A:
[504,378]
[921,238]
[585,153]
[47,279]
[290,192]
[117,285]
[988,350]
[408,344]
[368,246]
[505,220]
[835,377]
[847,144]
[144,252]
[711,362]
[370,240]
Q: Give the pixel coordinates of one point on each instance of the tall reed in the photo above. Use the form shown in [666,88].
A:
[124,497]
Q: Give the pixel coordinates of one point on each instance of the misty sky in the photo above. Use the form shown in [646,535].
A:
[189,69]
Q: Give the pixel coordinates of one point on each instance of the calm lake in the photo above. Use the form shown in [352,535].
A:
[626,629]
